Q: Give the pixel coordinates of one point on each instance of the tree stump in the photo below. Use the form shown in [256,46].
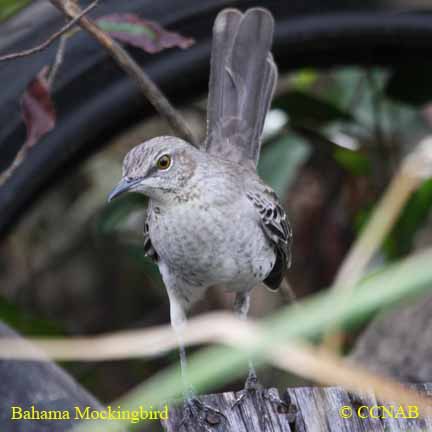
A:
[306,409]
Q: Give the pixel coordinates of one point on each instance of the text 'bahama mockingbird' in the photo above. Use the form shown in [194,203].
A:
[211,220]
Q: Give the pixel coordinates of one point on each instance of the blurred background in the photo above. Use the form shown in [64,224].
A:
[70,264]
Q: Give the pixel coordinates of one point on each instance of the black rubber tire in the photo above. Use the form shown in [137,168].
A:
[42,384]
[95,100]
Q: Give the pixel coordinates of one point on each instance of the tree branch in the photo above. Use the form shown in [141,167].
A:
[58,60]
[52,38]
[123,59]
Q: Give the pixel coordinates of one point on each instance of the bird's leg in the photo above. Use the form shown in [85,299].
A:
[241,308]
[203,414]
[252,387]
[200,412]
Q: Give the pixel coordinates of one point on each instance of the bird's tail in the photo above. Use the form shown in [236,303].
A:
[242,81]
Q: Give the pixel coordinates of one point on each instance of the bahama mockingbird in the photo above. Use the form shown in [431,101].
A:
[211,220]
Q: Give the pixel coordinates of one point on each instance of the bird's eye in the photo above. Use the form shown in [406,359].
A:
[164,162]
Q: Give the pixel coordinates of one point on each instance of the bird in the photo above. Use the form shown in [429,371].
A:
[211,220]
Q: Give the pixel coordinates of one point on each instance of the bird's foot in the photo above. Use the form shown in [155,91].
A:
[206,416]
[259,395]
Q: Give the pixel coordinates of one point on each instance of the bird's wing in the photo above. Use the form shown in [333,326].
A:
[242,81]
[277,229]
[148,247]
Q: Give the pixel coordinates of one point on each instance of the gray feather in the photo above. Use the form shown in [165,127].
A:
[224,30]
[270,81]
[277,229]
[242,81]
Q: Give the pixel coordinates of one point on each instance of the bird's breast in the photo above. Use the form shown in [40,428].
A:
[207,244]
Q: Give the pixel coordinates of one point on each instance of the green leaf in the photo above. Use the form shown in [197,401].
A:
[400,240]
[341,89]
[125,27]
[353,161]
[305,109]
[280,161]
[9,8]
[363,93]
[304,79]
[141,33]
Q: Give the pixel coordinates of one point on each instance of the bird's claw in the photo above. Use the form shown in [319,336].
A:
[201,413]
[266,394]
[254,389]
[251,387]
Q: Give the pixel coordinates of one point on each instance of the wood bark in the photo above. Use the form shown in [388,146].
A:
[307,409]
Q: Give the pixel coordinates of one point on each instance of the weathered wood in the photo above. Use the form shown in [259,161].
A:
[251,414]
[306,409]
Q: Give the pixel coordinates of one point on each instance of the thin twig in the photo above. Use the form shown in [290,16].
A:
[124,60]
[58,60]
[52,38]
[19,157]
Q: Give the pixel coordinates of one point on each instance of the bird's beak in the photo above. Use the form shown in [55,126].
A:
[123,186]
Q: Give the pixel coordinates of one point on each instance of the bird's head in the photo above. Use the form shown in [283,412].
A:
[158,168]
